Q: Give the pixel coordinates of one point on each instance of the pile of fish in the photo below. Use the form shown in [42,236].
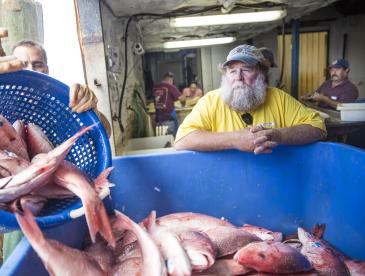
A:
[191,244]
[32,170]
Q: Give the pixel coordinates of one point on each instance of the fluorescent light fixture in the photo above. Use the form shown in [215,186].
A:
[198,42]
[223,19]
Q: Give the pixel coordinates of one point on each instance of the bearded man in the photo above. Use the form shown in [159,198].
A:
[245,114]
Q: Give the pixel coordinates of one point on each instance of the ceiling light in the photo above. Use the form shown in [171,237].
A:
[198,42]
[222,19]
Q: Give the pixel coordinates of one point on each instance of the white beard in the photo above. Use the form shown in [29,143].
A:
[242,97]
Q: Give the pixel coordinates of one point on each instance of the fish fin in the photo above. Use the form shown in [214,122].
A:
[64,148]
[97,220]
[318,230]
[30,228]
[102,182]
[106,229]
[150,221]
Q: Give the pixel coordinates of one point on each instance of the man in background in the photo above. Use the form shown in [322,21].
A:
[338,89]
[165,94]
[82,98]
[245,114]
[192,93]
[274,73]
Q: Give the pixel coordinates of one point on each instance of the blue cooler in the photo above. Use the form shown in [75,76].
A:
[294,186]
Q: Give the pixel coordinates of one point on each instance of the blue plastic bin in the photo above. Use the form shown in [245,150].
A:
[294,186]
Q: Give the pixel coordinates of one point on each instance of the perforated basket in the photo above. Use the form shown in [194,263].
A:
[37,98]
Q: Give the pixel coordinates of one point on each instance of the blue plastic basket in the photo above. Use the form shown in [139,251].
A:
[37,98]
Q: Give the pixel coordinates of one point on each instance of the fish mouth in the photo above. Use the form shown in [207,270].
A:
[296,243]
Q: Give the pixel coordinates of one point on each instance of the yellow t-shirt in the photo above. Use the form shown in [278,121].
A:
[279,110]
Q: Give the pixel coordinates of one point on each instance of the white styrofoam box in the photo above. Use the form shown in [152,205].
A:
[149,144]
[352,111]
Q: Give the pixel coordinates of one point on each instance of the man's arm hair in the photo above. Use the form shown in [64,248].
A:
[330,102]
[202,140]
[301,134]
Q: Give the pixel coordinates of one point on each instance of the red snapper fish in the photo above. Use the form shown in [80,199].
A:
[20,128]
[10,140]
[58,258]
[230,239]
[102,253]
[38,173]
[184,221]
[272,257]
[194,221]
[130,267]
[177,261]
[320,255]
[263,233]
[201,250]
[72,178]
[224,267]
[355,267]
[37,141]
[153,263]
[11,164]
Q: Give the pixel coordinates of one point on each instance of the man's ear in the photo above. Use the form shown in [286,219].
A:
[347,70]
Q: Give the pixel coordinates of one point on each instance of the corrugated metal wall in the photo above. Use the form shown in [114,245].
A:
[312,61]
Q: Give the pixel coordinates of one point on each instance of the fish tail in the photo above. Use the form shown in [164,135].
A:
[97,220]
[106,229]
[30,228]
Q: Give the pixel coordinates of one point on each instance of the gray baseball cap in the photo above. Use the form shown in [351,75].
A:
[245,53]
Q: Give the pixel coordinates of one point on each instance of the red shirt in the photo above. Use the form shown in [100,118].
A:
[345,92]
[165,95]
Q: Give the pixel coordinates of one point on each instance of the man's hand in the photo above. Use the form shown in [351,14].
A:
[265,139]
[307,97]
[318,97]
[257,139]
[3,33]
[182,99]
[10,64]
[82,98]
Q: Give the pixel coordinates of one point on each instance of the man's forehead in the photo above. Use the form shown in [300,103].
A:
[25,50]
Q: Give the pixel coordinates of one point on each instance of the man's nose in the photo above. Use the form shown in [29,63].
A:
[238,75]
